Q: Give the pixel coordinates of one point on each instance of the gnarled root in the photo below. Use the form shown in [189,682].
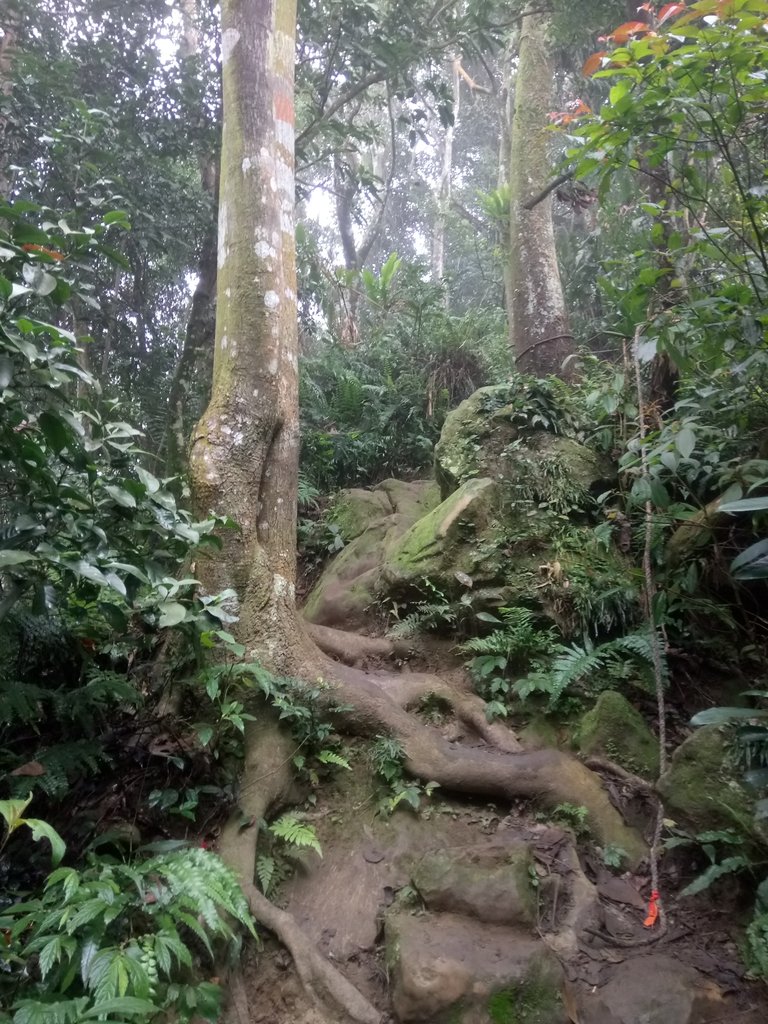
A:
[354,649]
[267,778]
[548,775]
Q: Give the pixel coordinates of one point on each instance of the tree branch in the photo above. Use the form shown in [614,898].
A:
[541,196]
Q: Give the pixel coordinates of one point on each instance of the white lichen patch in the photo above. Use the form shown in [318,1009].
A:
[282,587]
[223,249]
[265,251]
[224,342]
[284,133]
[229,40]
[271,300]
[247,164]
[282,50]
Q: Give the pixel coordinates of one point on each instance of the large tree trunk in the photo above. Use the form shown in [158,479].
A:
[244,459]
[539,332]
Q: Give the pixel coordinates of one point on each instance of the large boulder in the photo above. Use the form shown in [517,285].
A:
[371,521]
[655,989]
[495,433]
[703,786]
[615,729]
[452,546]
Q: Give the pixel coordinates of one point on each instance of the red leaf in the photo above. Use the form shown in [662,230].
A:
[31,769]
[669,11]
[629,28]
[593,63]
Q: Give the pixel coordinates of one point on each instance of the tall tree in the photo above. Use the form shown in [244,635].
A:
[540,335]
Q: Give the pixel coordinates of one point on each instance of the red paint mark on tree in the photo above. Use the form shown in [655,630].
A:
[284,108]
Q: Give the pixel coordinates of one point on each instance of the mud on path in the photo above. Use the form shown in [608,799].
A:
[472,912]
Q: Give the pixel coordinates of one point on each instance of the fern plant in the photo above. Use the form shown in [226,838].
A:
[573,664]
[121,940]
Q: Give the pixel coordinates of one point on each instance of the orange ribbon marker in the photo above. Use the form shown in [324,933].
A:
[653,910]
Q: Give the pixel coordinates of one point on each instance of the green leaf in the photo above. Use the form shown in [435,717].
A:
[42,830]
[121,496]
[129,1005]
[751,564]
[12,811]
[685,442]
[715,871]
[725,716]
[54,431]
[746,505]
[171,614]
[9,557]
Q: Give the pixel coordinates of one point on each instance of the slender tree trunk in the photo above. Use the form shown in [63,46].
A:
[193,370]
[9,24]
[446,176]
[244,459]
[539,331]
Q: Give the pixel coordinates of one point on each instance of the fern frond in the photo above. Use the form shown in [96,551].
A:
[330,757]
[201,883]
[572,665]
[20,702]
[295,833]
[265,872]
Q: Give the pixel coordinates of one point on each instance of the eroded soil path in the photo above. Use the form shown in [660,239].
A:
[481,907]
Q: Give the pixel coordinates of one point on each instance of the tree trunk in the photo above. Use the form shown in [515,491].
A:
[539,331]
[446,175]
[9,24]
[244,459]
[194,365]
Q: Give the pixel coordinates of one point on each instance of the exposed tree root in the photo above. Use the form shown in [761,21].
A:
[267,779]
[548,775]
[355,649]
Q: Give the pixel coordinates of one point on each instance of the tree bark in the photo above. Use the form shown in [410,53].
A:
[194,365]
[244,458]
[9,25]
[540,335]
[446,176]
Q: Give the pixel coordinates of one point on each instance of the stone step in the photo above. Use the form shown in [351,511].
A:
[452,969]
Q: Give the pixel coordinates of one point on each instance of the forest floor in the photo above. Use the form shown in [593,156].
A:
[358,904]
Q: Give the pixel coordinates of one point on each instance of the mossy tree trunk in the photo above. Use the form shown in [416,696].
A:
[9,25]
[540,335]
[244,457]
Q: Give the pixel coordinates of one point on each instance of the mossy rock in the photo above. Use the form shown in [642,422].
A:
[373,522]
[614,729]
[483,438]
[450,969]
[445,542]
[355,509]
[703,786]
[489,883]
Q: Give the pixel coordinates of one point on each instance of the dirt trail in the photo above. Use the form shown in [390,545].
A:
[369,937]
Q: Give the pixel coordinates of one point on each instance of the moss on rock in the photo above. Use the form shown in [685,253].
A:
[492,884]
[446,541]
[702,784]
[614,729]
[354,510]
